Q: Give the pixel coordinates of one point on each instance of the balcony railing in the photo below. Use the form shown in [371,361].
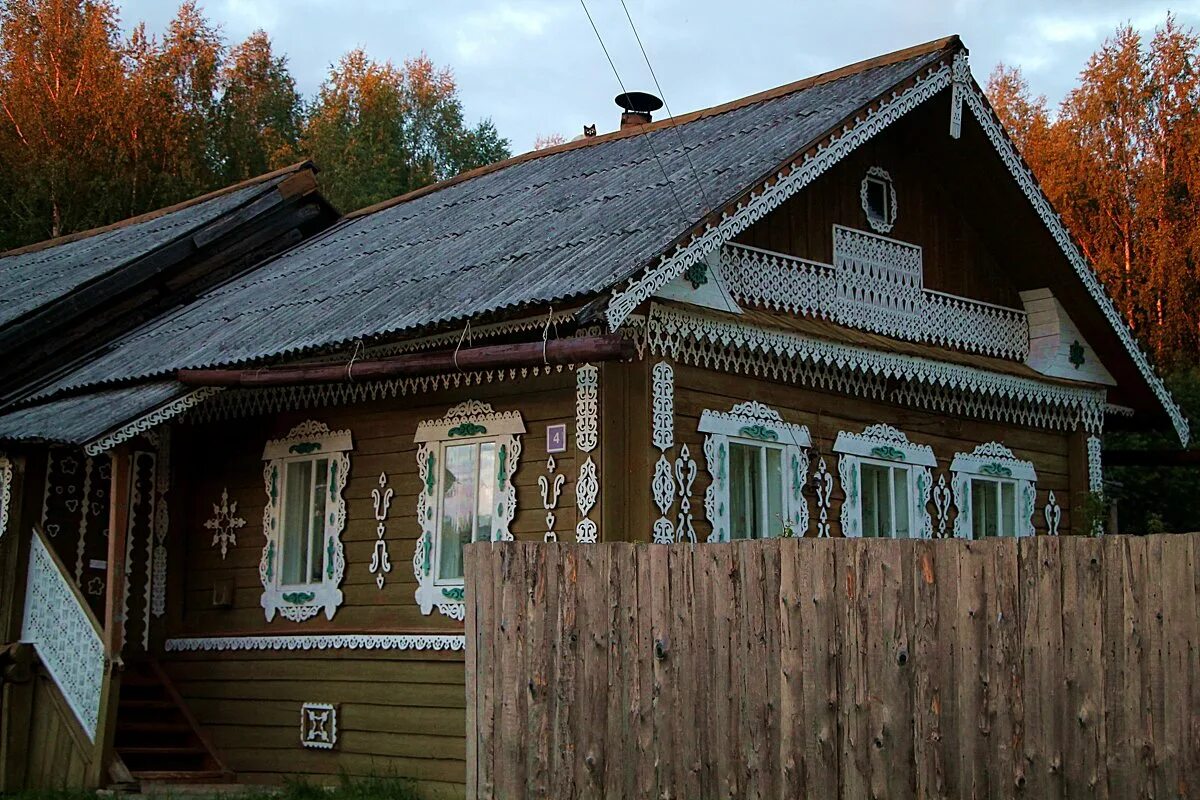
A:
[860,294]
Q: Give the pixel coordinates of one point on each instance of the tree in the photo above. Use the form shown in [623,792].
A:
[380,131]
[260,113]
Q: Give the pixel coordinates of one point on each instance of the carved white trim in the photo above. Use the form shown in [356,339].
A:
[884,445]
[162,521]
[685,478]
[753,423]
[996,462]
[786,183]
[381,562]
[663,487]
[587,437]
[664,406]
[1095,466]
[738,347]
[64,636]
[81,543]
[1053,514]
[942,500]
[224,523]
[995,133]
[881,175]
[309,440]
[323,641]
[550,485]
[6,480]
[153,419]
[960,75]
[318,725]
[470,422]
[587,406]
[141,462]
[823,485]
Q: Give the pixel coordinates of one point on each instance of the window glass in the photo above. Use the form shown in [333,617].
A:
[458,507]
[1008,508]
[877,199]
[745,480]
[900,502]
[297,512]
[774,519]
[876,501]
[985,500]
[487,492]
[316,531]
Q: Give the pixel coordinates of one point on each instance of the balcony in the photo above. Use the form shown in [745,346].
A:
[876,285]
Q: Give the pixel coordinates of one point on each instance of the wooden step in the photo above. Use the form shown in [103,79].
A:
[152,727]
[137,702]
[182,776]
[162,750]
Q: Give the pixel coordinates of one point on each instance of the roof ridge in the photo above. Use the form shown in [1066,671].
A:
[68,238]
[887,59]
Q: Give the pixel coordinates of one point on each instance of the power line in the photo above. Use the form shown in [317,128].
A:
[642,133]
[670,114]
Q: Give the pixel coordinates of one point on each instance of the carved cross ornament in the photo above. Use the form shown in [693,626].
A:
[224,523]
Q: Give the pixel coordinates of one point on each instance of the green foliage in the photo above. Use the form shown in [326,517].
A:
[95,128]
[1158,499]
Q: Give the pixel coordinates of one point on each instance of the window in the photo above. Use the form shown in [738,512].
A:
[466,462]
[878,197]
[886,484]
[303,560]
[994,491]
[758,465]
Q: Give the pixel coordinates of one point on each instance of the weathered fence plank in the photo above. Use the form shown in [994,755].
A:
[1039,667]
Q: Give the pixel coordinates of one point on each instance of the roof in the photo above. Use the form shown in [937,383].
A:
[33,276]
[81,419]
[541,228]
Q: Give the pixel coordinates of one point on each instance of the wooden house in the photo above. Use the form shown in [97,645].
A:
[842,307]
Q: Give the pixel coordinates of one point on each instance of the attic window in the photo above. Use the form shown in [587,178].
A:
[878,196]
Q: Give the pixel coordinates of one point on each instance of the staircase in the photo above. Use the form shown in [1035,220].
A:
[157,738]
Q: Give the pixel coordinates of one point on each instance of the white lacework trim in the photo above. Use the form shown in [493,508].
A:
[155,418]
[786,184]
[732,346]
[1058,230]
[332,641]
[780,282]
[6,479]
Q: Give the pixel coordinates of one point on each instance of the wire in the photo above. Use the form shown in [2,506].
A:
[641,133]
[670,114]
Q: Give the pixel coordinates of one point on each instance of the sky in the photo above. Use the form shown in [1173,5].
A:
[536,67]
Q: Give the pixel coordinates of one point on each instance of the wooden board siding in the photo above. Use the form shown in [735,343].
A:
[827,414]
[1039,667]
[957,260]
[401,712]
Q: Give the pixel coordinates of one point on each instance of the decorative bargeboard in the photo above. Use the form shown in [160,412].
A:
[306,469]
[760,428]
[994,469]
[6,479]
[885,449]
[466,461]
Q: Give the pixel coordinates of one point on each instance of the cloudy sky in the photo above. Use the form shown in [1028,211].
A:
[535,66]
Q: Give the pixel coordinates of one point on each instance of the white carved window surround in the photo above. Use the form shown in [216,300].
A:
[995,493]
[886,482]
[303,559]
[758,465]
[878,197]
[466,462]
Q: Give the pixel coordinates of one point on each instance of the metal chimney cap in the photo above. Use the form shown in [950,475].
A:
[639,102]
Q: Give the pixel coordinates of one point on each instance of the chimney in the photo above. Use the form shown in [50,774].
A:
[637,108]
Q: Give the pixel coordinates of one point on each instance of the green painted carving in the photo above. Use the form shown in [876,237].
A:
[759,431]
[298,598]
[697,274]
[796,481]
[304,448]
[431,475]
[721,464]
[502,467]
[332,481]
[1076,356]
[466,429]
[426,552]
[274,485]
[271,561]
[996,470]
[329,558]
[888,452]
[454,593]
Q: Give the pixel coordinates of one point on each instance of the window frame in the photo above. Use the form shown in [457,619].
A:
[994,462]
[757,425]
[884,445]
[310,441]
[470,422]
[880,177]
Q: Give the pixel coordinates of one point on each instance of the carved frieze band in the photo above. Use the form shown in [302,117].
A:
[331,641]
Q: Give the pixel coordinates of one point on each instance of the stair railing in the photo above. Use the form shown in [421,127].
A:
[64,633]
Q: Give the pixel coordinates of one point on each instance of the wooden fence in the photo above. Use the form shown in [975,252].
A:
[1044,667]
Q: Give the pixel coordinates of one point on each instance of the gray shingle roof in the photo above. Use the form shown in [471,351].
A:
[31,279]
[83,418]
[564,225]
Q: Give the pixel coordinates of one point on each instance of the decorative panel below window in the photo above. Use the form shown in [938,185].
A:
[303,559]
[758,465]
[466,461]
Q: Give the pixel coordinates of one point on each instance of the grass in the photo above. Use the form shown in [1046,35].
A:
[347,788]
